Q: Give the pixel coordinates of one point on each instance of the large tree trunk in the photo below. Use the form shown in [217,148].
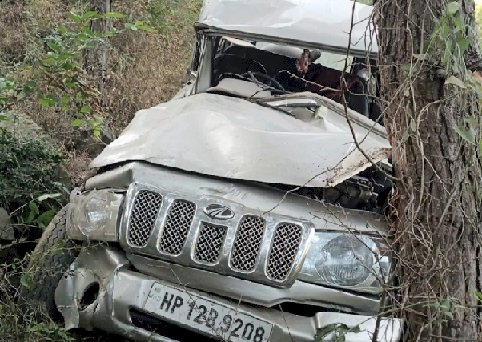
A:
[96,58]
[436,201]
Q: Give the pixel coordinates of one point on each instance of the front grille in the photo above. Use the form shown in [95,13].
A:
[247,244]
[286,243]
[178,222]
[210,242]
[143,216]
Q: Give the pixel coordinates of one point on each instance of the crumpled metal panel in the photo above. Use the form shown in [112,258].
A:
[122,289]
[234,138]
[94,265]
[326,22]
[93,215]
[259,198]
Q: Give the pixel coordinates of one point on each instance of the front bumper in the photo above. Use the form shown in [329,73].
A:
[100,290]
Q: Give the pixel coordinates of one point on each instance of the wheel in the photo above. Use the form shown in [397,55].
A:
[49,261]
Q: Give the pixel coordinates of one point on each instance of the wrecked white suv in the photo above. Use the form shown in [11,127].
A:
[249,207]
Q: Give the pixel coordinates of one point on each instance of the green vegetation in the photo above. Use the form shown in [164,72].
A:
[30,169]
[44,82]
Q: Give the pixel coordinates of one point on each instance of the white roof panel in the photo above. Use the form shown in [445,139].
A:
[324,22]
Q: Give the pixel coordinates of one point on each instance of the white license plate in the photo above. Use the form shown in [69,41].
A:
[216,319]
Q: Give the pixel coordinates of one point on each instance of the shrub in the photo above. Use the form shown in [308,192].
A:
[30,169]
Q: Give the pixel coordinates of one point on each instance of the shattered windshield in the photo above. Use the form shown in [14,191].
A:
[256,69]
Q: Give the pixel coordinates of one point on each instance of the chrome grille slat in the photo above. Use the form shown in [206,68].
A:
[247,244]
[266,248]
[178,221]
[210,242]
[143,217]
[284,248]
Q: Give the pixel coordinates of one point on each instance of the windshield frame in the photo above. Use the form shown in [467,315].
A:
[205,30]
[206,44]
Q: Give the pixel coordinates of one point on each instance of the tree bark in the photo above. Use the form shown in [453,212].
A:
[436,201]
[96,58]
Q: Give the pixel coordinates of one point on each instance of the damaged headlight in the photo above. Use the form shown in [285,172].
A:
[94,215]
[344,260]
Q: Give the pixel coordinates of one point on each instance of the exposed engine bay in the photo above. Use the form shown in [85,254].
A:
[368,191]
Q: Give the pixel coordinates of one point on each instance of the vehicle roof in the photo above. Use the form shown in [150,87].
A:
[323,23]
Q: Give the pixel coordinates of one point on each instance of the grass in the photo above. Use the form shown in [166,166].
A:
[144,69]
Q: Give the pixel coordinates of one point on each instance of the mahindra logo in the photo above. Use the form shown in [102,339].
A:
[219,212]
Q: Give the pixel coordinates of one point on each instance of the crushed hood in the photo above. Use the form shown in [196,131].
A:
[231,137]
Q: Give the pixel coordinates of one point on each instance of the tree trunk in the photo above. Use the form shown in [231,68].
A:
[436,201]
[96,58]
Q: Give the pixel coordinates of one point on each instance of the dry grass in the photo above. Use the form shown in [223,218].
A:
[13,32]
[47,13]
[144,68]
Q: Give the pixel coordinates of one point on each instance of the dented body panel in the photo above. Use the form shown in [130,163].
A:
[124,291]
[260,198]
[233,138]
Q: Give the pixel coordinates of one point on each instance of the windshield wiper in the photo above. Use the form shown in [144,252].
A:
[292,102]
[280,104]
[267,105]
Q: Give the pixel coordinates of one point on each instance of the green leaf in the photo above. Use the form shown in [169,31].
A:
[114,15]
[323,332]
[140,25]
[465,134]
[26,281]
[91,15]
[478,295]
[446,308]
[53,45]
[76,123]
[64,100]
[49,61]
[79,96]
[33,213]
[69,83]
[47,101]
[453,7]
[44,219]
[44,102]
[29,87]
[463,44]
[130,26]
[63,29]
[74,16]
[85,109]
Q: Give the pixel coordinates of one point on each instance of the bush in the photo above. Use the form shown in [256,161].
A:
[30,170]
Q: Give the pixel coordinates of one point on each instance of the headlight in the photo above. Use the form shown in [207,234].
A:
[94,215]
[345,260]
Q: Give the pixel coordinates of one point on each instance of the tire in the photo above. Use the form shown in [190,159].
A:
[50,259]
